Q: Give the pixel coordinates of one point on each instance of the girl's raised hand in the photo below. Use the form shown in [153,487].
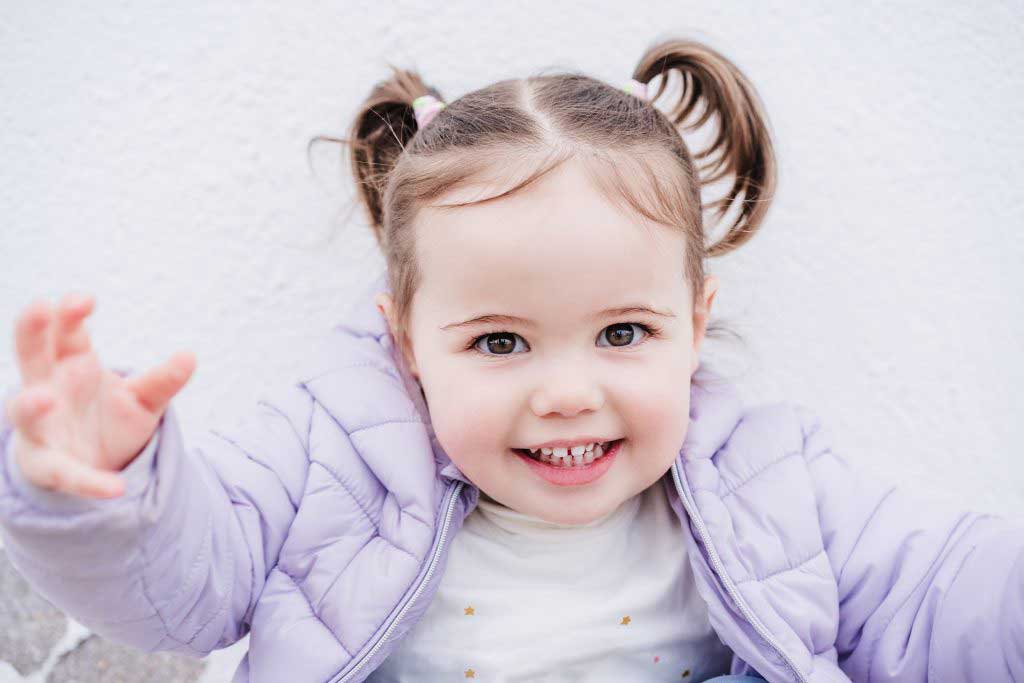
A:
[76,424]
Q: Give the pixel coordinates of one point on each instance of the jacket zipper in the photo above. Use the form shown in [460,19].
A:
[453,493]
[716,562]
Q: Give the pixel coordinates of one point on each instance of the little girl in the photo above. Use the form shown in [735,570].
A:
[510,465]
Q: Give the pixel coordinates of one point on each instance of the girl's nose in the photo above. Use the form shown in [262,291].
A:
[566,400]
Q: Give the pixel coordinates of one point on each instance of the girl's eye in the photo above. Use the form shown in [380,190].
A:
[501,343]
[620,335]
[504,343]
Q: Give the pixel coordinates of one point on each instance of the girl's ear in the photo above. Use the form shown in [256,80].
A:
[700,318]
[387,308]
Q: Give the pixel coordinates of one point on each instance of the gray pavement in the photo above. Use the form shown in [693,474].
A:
[31,629]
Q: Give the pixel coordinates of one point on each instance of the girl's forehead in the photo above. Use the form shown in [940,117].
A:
[562,271]
[559,243]
[560,222]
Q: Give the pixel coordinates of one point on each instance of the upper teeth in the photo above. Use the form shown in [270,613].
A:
[564,452]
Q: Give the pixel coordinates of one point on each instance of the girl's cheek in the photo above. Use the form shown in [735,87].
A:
[666,404]
[467,422]
[454,438]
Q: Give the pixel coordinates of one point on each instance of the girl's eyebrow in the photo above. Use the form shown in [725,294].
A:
[495,318]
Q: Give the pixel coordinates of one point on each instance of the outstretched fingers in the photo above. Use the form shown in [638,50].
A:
[70,336]
[44,334]
[155,388]
[33,342]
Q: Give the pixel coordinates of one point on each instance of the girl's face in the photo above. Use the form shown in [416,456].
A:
[552,362]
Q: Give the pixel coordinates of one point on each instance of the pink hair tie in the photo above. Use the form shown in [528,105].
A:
[635,87]
[426,108]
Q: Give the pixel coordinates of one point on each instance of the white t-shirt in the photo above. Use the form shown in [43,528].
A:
[523,599]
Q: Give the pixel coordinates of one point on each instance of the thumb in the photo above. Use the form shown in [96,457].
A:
[155,388]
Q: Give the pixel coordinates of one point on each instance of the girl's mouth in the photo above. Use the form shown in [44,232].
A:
[572,471]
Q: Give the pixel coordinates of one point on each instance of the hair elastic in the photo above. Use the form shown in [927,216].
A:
[426,107]
[635,87]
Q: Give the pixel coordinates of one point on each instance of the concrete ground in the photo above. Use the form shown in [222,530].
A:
[39,644]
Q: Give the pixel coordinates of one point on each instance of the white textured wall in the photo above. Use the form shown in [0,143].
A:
[154,156]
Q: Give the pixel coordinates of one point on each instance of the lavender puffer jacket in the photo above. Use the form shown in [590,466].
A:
[320,524]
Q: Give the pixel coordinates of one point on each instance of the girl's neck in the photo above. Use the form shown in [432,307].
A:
[512,520]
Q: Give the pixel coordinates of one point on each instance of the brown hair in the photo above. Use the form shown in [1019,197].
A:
[635,150]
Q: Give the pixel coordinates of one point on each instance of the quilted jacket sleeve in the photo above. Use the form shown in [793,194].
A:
[179,561]
[926,592]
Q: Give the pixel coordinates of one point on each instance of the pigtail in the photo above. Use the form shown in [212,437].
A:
[384,125]
[742,147]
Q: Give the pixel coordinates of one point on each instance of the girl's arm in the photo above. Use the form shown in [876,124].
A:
[925,592]
[179,561]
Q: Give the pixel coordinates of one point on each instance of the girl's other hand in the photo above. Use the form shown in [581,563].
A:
[77,424]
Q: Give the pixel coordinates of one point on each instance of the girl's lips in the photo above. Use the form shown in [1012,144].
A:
[577,475]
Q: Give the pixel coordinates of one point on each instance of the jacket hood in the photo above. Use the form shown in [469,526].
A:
[364,320]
